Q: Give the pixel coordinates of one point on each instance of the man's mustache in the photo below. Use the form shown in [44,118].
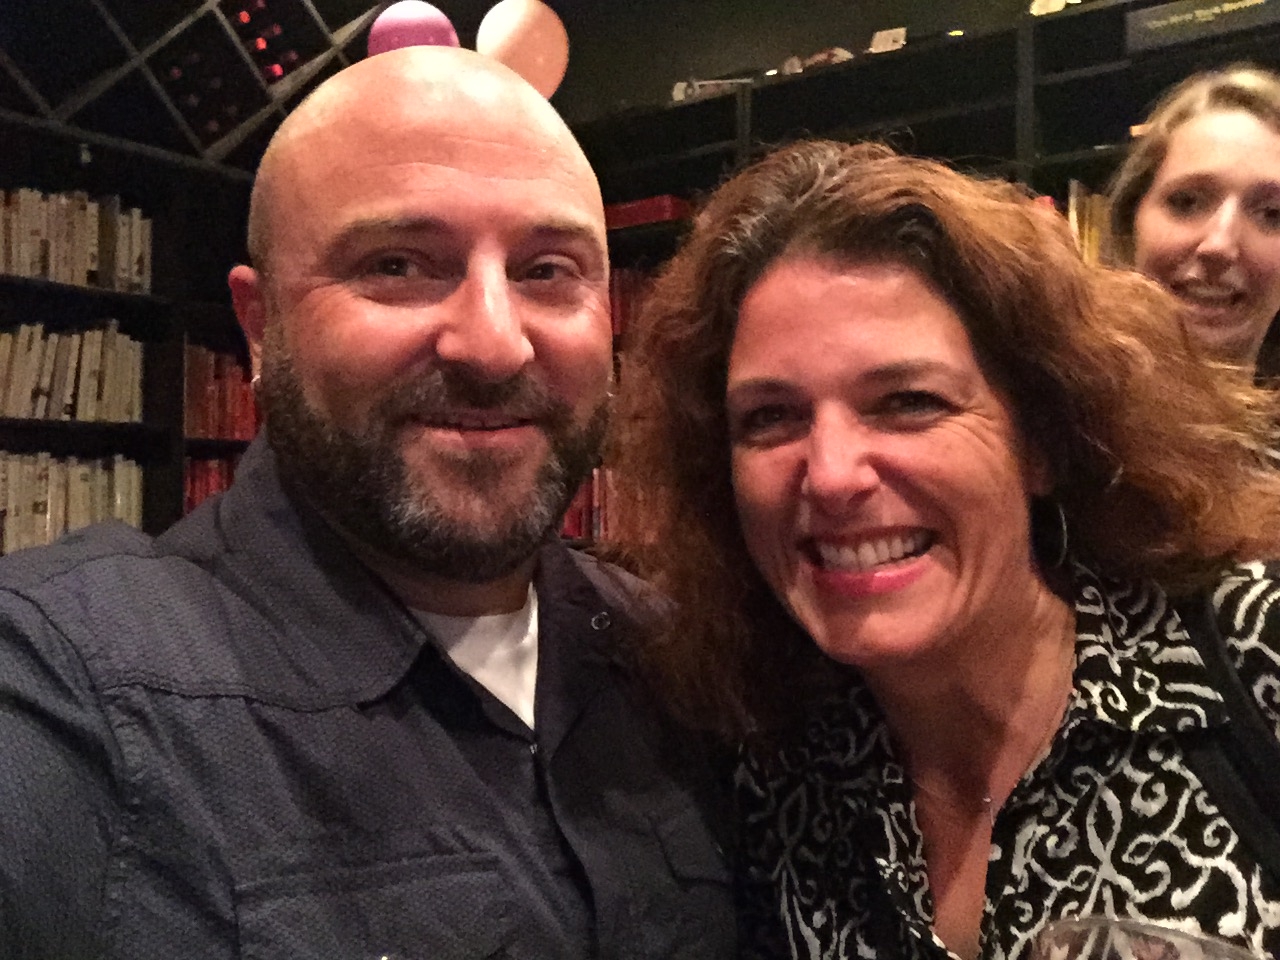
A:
[442,391]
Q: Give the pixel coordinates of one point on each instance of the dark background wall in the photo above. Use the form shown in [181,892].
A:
[124,67]
[629,52]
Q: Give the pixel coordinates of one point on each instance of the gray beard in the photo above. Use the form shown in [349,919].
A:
[361,483]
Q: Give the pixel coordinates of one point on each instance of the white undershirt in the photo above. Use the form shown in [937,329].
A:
[499,651]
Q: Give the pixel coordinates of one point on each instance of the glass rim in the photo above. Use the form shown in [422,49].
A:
[1213,946]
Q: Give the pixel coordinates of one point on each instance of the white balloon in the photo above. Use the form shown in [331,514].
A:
[529,38]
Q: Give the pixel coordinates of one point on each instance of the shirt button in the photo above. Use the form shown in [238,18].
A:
[601,621]
[533,749]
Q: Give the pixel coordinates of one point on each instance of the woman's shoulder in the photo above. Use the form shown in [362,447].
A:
[1247,600]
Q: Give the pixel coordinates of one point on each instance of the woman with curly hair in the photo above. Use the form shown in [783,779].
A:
[923,488]
[1196,205]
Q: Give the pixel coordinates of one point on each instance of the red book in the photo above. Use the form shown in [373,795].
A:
[649,210]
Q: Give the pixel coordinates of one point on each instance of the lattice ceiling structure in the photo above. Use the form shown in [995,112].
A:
[207,79]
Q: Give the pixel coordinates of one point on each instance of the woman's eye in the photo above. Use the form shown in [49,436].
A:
[761,421]
[1183,203]
[913,403]
[1268,218]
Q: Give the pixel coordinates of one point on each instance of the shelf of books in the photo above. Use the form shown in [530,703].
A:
[103,243]
[220,418]
[1049,101]
[74,321]
[1100,67]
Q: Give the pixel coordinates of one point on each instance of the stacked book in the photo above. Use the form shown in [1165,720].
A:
[43,497]
[77,239]
[588,515]
[219,396]
[93,374]
[202,477]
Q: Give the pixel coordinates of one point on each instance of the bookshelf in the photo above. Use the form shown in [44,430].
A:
[197,211]
[1088,91]
[1046,101]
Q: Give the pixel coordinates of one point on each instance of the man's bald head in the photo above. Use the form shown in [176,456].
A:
[434,91]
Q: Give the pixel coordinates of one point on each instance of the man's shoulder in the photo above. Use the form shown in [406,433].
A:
[107,590]
[92,554]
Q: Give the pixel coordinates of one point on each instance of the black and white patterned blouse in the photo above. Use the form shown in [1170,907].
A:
[1112,821]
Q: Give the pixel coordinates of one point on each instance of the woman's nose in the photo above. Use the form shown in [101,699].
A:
[1221,238]
[840,466]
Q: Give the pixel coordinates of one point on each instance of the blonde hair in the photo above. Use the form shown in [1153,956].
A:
[1241,86]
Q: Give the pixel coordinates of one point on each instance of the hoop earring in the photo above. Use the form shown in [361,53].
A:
[1062,530]
[1050,539]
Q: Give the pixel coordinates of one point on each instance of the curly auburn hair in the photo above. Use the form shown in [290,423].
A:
[1157,458]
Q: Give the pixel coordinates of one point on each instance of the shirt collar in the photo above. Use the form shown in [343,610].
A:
[337,634]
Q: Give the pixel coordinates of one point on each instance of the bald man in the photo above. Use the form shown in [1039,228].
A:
[366,705]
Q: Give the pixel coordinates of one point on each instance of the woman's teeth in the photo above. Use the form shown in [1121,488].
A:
[872,553]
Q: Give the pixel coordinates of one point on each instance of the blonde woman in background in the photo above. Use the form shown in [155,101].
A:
[1196,206]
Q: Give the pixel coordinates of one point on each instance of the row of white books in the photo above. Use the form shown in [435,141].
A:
[77,239]
[43,497]
[93,374]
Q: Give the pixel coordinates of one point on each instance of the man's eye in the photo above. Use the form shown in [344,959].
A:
[391,266]
[551,268]
[405,266]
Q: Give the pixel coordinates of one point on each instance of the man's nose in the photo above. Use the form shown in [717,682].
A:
[484,328]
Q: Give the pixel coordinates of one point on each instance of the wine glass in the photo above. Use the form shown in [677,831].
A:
[1104,938]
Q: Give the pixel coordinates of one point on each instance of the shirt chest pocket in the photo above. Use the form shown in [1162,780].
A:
[438,907]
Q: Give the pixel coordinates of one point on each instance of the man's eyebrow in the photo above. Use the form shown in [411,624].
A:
[557,230]
[370,226]
[567,231]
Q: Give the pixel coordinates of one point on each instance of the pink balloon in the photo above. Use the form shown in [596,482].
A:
[529,38]
[410,23]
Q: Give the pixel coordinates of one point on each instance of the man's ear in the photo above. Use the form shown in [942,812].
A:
[249,299]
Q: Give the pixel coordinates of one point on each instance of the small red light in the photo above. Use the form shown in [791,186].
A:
[276,71]
[244,16]
[260,43]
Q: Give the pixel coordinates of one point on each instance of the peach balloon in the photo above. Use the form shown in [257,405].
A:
[529,38]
